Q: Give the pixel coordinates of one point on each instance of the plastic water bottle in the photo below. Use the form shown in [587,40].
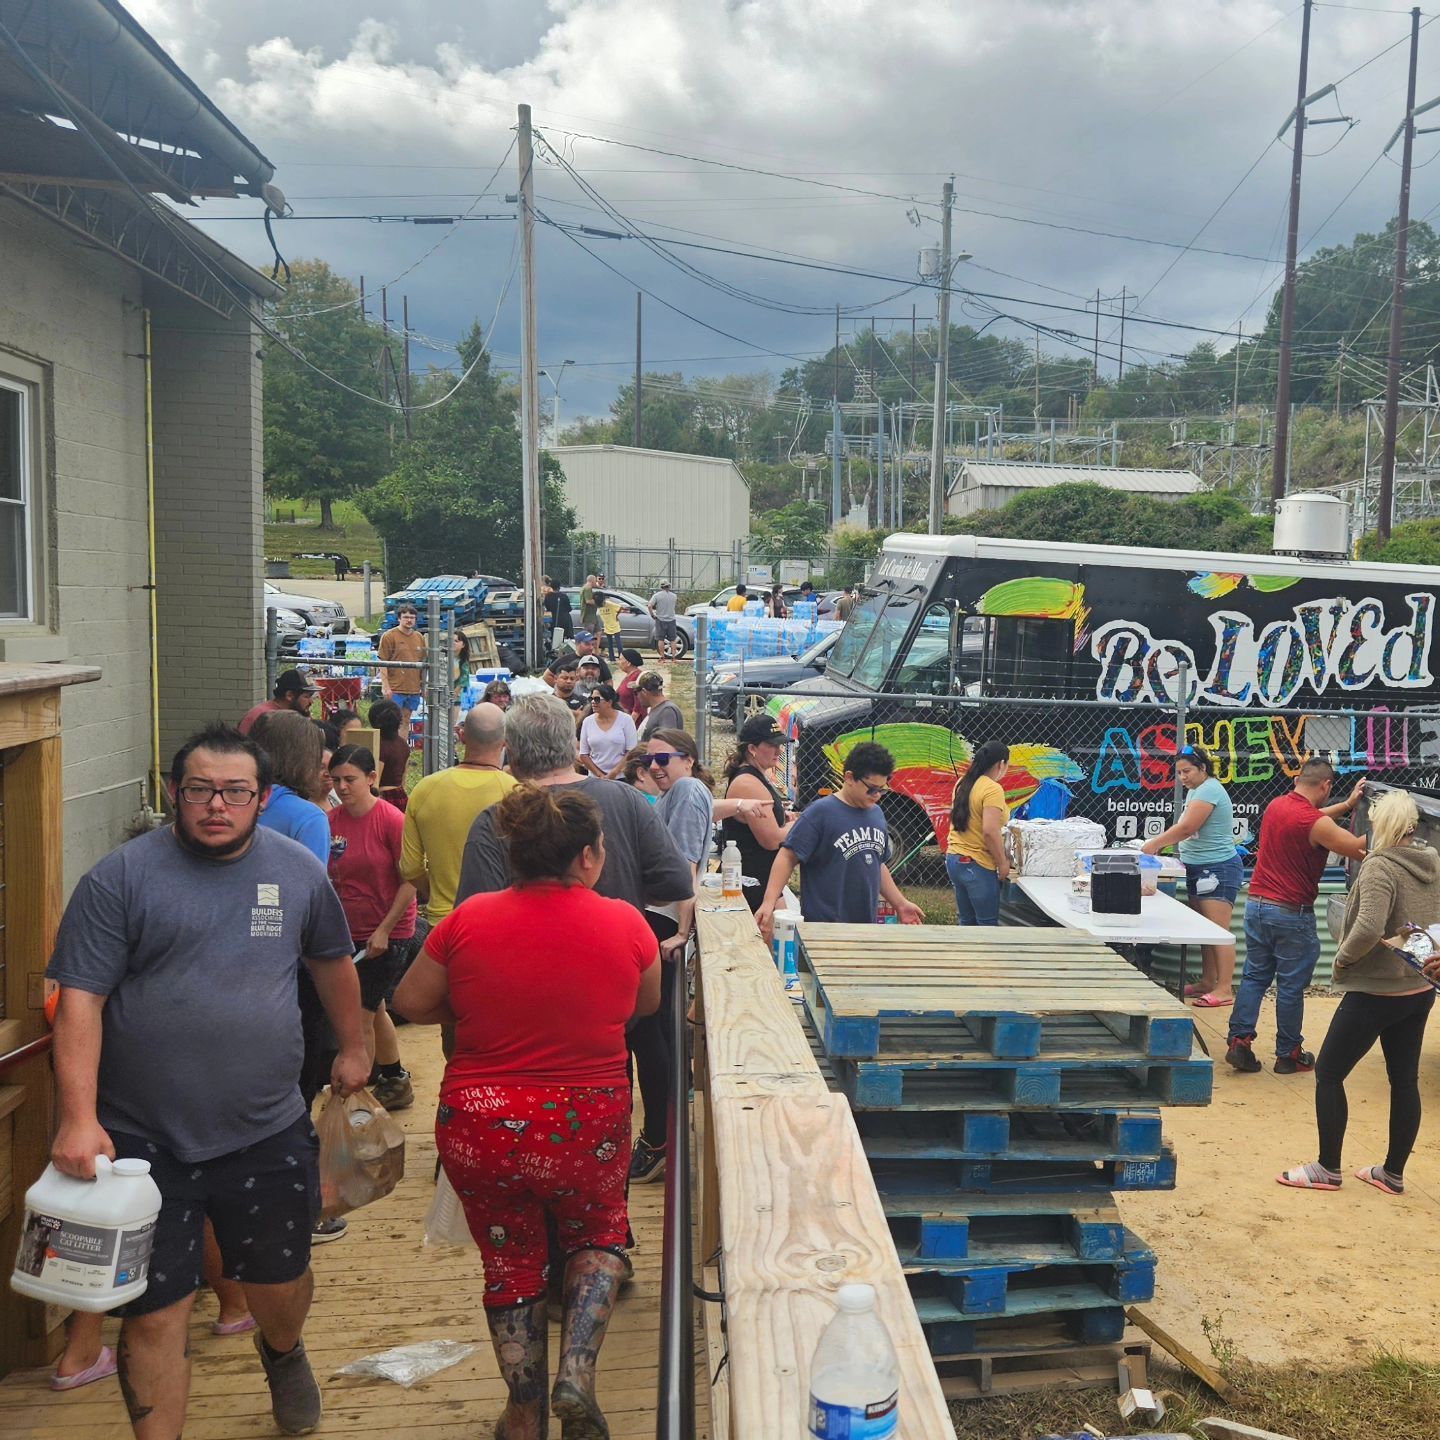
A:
[730,871]
[786,942]
[854,1377]
[87,1243]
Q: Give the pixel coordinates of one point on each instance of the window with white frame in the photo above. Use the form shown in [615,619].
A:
[17,561]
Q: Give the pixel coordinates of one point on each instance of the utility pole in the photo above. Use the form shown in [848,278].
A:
[405,384]
[1124,294]
[1339,376]
[835,500]
[1397,301]
[529,395]
[364,313]
[1037,381]
[1279,460]
[1095,365]
[913,390]
[639,383]
[942,370]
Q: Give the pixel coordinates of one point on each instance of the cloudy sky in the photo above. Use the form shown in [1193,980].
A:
[1083,135]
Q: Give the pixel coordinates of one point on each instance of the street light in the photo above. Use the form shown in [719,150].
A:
[555,412]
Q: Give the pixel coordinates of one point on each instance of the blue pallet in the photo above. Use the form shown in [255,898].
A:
[1087,1315]
[1021,1135]
[961,1083]
[993,1288]
[957,1227]
[1023,1177]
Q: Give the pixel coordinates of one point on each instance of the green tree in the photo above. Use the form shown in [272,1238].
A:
[796,532]
[1414,542]
[322,442]
[453,500]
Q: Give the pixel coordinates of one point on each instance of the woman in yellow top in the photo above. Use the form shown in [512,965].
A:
[975,851]
[610,608]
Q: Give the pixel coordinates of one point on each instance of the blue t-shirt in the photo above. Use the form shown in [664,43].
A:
[842,850]
[298,818]
[1215,839]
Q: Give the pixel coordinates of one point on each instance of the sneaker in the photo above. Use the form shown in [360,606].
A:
[1241,1055]
[394,1092]
[1297,1059]
[294,1395]
[647,1163]
[327,1230]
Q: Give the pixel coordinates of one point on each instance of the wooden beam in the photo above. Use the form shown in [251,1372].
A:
[1187,1357]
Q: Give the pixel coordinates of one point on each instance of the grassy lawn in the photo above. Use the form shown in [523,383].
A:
[285,538]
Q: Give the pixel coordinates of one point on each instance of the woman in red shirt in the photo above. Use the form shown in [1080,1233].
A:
[540,981]
[379,906]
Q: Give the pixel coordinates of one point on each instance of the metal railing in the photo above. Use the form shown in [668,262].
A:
[22,1053]
[675,1402]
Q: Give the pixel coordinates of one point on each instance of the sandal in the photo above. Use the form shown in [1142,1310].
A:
[102,1369]
[1375,1175]
[233,1327]
[1208,1001]
[1309,1176]
[1197,987]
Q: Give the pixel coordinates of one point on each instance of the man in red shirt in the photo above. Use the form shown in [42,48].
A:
[1297,833]
[293,691]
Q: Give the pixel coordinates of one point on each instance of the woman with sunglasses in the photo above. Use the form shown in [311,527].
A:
[607,735]
[497,692]
[747,772]
[1205,837]
[689,813]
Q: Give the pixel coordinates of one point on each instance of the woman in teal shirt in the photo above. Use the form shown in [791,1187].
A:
[1205,837]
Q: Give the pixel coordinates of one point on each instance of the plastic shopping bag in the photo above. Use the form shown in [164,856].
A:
[445,1224]
[362,1153]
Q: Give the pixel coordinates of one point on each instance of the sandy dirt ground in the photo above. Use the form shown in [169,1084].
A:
[1328,1277]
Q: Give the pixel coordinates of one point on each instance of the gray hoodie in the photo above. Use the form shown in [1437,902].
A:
[1394,887]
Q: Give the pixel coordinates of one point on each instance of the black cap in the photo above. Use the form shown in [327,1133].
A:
[762,730]
[293,682]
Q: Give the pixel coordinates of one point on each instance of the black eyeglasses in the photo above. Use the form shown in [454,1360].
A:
[873,790]
[664,757]
[235,796]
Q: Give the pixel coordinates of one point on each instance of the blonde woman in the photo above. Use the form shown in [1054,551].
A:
[1384,999]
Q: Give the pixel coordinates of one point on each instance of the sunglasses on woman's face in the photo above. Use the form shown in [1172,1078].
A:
[664,757]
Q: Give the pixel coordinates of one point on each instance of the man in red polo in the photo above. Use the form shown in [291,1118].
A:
[1297,833]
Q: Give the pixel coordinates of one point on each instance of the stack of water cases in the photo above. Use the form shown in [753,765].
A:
[1006,1083]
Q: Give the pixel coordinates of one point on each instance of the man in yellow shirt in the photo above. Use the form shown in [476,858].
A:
[443,806]
[975,852]
[610,609]
[738,599]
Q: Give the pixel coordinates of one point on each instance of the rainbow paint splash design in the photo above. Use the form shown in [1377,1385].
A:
[1211,585]
[1043,596]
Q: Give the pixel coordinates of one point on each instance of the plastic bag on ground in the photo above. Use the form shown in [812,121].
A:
[407,1365]
[445,1222]
[362,1153]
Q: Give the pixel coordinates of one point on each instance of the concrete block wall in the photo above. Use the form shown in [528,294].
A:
[72,316]
[209,518]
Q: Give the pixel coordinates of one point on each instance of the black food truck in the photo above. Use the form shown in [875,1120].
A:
[1073,656]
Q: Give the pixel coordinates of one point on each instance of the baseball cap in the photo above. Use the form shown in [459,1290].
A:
[588,662]
[585,635]
[664,584]
[296,680]
[762,730]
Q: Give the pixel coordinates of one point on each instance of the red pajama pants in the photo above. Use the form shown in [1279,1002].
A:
[514,1154]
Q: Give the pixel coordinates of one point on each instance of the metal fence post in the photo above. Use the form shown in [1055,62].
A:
[1180,707]
[435,653]
[365,572]
[272,651]
[702,680]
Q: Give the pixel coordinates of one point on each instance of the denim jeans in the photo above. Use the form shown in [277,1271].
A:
[1283,947]
[977,891]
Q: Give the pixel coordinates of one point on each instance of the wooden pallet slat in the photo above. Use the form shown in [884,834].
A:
[1022,1135]
[950,1227]
[1085,1313]
[1059,1367]
[1024,1177]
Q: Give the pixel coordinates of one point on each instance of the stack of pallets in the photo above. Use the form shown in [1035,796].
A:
[1005,1083]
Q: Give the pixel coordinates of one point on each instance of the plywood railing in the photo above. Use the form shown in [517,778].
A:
[786,1199]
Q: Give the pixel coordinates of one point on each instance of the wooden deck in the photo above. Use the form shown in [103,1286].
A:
[376,1288]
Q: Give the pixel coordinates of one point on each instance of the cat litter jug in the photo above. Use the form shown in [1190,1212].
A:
[87,1243]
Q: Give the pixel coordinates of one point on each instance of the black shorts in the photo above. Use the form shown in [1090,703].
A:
[378,974]
[263,1202]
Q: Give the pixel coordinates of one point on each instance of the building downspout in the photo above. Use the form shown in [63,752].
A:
[157,787]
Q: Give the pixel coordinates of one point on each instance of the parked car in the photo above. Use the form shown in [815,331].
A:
[738,691]
[827,599]
[636,626]
[312,611]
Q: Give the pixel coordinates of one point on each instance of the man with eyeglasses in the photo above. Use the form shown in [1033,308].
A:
[843,844]
[178,1043]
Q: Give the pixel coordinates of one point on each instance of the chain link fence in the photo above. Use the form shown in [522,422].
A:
[691,571]
[1117,761]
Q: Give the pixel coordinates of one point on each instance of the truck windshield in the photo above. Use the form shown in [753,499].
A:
[869,643]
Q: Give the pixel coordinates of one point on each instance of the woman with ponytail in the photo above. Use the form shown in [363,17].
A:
[975,852]
[540,981]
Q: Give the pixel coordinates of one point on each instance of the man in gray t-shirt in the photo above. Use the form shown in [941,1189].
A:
[662,610]
[178,1042]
